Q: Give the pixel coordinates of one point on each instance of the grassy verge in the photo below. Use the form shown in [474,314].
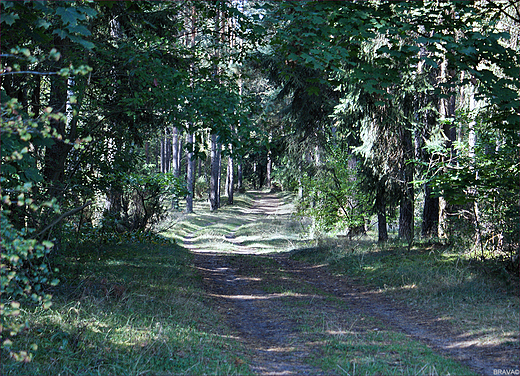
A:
[131,309]
[482,303]
[383,352]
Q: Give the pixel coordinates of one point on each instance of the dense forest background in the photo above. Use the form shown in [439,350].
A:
[376,114]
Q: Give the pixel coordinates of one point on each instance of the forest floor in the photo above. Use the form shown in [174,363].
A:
[301,318]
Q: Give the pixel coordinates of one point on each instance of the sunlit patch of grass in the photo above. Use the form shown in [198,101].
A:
[436,279]
[128,309]
[383,352]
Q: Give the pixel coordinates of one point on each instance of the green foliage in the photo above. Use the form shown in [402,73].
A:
[146,197]
[482,186]
[394,63]
[89,235]
[24,271]
[24,274]
[333,196]
[25,205]
[286,173]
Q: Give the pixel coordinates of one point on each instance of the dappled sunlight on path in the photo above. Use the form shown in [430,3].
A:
[258,223]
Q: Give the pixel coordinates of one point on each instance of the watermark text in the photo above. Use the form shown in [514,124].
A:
[506,371]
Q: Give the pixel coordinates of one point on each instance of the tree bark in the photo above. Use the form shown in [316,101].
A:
[445,209]
[147,151]
[430,217]
[430,214]
[168,157]
[240,186]
[190,136]
[406,210]
[176,152]
[56,154]
[269,169]
[229,180]
[214,180]
[381,214]
[163,154]
[447,111]
[190,173]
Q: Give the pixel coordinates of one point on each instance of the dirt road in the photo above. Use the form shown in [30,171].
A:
[287,312]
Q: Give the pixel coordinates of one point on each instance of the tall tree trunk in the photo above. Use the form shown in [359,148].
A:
[472,141]
[381,214]
[168,154]
[445,209]
[190,173]
[430,217]
[269,169]
[227,178]
[406,217]
[163,154]
[447,111]
[406,210]
[219,172]
[240,186]
[56,154]
[214,180]
[230,177]
[176,152]
[190,136]
[430,214]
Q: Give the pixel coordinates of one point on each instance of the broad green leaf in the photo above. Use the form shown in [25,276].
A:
[48,244]
[9,18]
[80,29]
[70,16]
[61,33]
[43,23]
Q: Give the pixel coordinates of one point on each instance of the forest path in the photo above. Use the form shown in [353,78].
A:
[289,314]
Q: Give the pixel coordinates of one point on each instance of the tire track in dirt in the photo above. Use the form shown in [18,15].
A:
[273,340]
[276,341]
[424,326]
